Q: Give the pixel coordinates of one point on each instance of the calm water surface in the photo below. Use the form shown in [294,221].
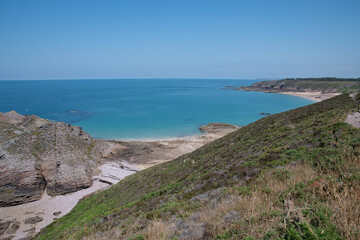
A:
[142,108]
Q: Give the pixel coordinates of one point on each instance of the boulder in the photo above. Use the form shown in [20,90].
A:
[38,155]
[9,227]
[4,226]
[33,220]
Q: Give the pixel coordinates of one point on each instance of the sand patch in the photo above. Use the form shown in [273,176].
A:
[315,96]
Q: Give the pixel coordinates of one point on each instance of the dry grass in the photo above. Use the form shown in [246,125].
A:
[344,200]
[254,209]
[117,233]
[345,204]
[160,230]
[280,180]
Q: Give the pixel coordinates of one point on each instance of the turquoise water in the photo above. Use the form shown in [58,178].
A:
[142,108]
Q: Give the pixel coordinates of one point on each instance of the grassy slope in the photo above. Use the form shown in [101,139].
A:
[317,84]
[314,134]
[340,86]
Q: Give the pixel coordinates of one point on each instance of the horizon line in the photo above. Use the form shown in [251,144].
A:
[164,78]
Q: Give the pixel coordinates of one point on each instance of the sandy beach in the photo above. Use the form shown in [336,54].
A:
[145,153]
[166,149]
[315,96]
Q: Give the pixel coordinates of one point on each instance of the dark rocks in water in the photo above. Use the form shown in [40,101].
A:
[218,128]
[38,155]
[266,114]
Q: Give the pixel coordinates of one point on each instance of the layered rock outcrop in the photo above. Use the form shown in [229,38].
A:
[38,155]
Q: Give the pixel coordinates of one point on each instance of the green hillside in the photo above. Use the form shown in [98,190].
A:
[341,85]
[293,175]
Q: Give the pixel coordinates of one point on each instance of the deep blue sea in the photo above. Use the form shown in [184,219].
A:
[142,108]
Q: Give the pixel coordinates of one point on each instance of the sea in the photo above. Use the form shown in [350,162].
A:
[142,108]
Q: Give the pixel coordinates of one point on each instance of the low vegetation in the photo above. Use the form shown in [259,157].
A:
[293,175]
[341,85]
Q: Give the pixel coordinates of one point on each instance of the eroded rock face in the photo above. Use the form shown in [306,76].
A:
[36,154]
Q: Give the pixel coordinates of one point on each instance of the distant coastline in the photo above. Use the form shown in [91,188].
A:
[316,89]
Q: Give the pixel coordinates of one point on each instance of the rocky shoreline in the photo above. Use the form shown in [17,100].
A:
[47,167]
[148,152]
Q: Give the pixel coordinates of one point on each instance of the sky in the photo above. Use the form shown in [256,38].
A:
[238,39]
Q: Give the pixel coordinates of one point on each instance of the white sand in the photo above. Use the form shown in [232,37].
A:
[47,205]
[315,96]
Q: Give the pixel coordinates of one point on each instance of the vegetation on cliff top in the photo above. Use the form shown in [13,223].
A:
[293,175]
[342,85]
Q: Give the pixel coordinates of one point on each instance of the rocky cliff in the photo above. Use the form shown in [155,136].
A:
[38,155]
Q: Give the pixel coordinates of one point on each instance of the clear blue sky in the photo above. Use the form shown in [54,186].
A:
[179,39]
